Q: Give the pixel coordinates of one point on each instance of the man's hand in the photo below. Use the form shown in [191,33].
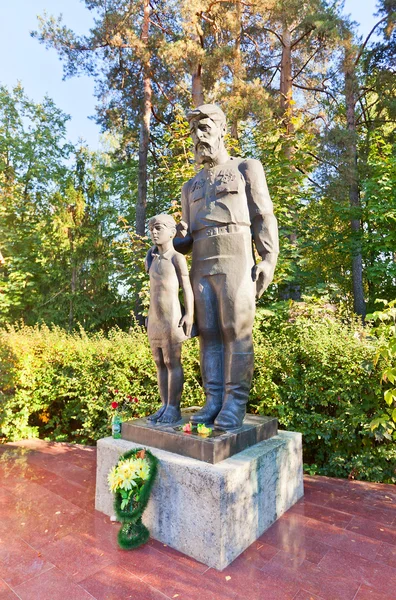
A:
[187,323]
[182,229]
[263,273]
[149,258]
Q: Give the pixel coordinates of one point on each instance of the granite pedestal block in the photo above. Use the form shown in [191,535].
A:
[213,512]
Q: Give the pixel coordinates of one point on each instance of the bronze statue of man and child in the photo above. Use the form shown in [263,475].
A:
[224,207]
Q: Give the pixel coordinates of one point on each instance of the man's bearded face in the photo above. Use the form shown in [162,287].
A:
[207,138]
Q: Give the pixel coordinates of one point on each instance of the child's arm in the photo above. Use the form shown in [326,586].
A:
[180,264]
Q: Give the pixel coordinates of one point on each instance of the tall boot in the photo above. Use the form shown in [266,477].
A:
[213,381]
[238,374]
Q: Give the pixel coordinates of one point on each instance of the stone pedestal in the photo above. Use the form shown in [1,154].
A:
[213,512]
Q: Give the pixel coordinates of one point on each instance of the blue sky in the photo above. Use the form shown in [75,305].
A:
[40,71]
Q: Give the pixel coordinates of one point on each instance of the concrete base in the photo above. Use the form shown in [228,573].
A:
[213,512]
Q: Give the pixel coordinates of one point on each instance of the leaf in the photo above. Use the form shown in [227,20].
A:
[389,397]
[374,424]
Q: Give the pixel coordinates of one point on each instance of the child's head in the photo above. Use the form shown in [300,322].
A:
[162,228]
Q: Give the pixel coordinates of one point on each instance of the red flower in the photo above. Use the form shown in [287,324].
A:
[116,391]
[114,405]
[135,400]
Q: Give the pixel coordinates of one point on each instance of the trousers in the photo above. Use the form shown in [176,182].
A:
[224,293]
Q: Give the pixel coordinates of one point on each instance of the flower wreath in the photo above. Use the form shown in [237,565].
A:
[131,481]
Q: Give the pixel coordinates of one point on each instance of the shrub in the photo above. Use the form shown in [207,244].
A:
[383,423]
[60,386]
[316,370]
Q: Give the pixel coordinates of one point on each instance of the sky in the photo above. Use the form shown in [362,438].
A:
[40,71]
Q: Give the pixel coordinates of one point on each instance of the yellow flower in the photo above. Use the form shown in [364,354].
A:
[124,475]
[127,483]
[143,468]
[203,430]
[114,479]
[127,469]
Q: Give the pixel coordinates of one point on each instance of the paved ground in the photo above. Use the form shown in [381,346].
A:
[338,543]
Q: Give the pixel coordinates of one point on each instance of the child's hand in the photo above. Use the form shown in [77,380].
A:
[187,323]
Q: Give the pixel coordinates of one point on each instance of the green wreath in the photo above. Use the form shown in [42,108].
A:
[129,507]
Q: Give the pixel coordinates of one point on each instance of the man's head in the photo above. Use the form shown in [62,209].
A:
[162,228]
[207,127]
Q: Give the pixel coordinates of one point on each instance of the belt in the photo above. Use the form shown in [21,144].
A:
[212,231]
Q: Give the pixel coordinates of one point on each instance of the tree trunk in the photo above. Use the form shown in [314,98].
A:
[144,136]
[286,92]
[73,280]
[196,87]
[196,78]
[237,65]
[291,290]
[353,184]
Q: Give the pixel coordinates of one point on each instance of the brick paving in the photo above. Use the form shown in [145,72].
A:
[338,543]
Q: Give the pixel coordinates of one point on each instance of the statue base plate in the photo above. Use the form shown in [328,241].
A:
[219,446]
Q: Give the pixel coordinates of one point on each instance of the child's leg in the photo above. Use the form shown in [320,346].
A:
[172,359]
[162,378]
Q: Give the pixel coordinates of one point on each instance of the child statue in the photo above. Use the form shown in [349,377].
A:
[167,327]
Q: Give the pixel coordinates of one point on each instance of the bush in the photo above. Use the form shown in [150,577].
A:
[315,370]
[383,423]
[60,386]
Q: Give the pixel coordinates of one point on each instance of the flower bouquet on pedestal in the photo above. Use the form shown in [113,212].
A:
[123,408]
[131,481]
[200,429]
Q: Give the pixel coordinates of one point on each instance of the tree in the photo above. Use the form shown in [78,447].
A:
[288,46]
[32,154]
[58,222]
[119,53]
[350,213]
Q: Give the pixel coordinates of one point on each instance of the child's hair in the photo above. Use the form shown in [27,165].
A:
[163,218]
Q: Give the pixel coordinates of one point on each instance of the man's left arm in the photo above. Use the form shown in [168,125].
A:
[264,224]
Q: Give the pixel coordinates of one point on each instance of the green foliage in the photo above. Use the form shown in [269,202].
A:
[58,223]
[60,386]
[379,212]
[316,371]
[291,192]
[383,423]
[131,250]
[175,164]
